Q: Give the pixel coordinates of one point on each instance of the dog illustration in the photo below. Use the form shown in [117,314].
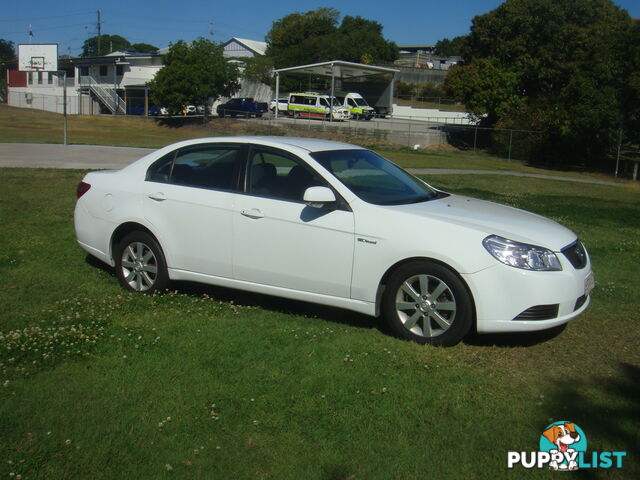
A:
[562,436]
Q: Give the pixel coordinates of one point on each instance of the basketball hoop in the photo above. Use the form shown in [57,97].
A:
[37,64]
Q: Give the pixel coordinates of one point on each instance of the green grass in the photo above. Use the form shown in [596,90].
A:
[213,383]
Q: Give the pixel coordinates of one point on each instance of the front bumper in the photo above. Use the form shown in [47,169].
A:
[502,293]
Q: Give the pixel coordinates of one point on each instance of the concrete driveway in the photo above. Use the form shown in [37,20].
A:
[31,155]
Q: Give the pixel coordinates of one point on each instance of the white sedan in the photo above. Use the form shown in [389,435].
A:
[335,224]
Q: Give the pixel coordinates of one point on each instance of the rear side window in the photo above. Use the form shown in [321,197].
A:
[202,166]
[277,175]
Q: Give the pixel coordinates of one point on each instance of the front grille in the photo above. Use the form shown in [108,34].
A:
[580,302]
[539,312]
[576,254]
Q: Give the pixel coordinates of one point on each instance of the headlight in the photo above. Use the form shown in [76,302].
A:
[521,255]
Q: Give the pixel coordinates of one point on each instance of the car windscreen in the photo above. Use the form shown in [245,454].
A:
[373,178]
[361,102]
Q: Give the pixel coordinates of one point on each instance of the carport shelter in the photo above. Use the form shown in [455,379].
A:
[352,77]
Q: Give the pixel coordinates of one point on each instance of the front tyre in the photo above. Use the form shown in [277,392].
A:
[140,264]
[427,303]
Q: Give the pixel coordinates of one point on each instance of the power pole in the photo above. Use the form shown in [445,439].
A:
[98,25]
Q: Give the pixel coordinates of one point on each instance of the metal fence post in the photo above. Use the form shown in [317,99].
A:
[510,142]
[618,155]
[475,138]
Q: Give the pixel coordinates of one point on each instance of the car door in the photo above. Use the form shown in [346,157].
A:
[187,197]
[280,241]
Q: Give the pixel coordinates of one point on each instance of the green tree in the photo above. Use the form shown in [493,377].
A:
[143,48]
[258,69]
[108,44]
[631,87]
[316,36]
[451,48]
[301,38]
[555,67]
[7,54]
[360,40]
[192,74]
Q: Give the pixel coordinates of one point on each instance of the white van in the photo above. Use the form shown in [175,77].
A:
[315,105]
[357,105]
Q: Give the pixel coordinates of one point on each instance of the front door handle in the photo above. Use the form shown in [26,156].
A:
[159,196]
[252,213]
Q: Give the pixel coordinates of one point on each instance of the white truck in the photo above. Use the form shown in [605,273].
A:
[357,106]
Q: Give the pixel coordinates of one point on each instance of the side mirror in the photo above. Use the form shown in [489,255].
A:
[317,197]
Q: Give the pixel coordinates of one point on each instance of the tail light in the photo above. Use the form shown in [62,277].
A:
[82,188]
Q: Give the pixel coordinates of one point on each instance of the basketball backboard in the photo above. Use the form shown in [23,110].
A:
[38,57]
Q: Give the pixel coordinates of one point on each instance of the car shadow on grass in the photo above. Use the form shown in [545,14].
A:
[520,339]
[333,314]
[267,302]
[281,305]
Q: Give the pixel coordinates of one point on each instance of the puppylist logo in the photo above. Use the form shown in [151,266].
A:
[563,447]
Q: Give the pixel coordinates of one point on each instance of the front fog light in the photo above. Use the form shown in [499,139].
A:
[521,255]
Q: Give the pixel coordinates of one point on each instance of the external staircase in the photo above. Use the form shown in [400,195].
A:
[107,95]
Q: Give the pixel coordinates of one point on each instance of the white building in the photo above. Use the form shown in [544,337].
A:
[114,83]
[240,49]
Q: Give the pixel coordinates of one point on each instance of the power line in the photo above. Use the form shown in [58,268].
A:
[48,17]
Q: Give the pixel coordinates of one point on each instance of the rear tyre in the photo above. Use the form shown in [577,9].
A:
[140,264]
[427,303]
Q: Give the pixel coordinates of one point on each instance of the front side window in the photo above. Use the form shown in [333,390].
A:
[373,178]
[277,175]
[214,167]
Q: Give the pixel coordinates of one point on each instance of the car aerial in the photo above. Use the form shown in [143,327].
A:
[335,224]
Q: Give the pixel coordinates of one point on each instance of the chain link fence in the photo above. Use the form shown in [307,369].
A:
[48,103]
[416,133]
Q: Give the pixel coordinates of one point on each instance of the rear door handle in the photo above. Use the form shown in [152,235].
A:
[159,196]
[252,213]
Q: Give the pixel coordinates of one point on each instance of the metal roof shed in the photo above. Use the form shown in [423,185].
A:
[340,69]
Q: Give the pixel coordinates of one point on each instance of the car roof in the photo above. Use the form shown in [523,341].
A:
[308,144]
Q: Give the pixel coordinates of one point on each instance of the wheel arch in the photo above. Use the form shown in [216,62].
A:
[385,278]
[126,228]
